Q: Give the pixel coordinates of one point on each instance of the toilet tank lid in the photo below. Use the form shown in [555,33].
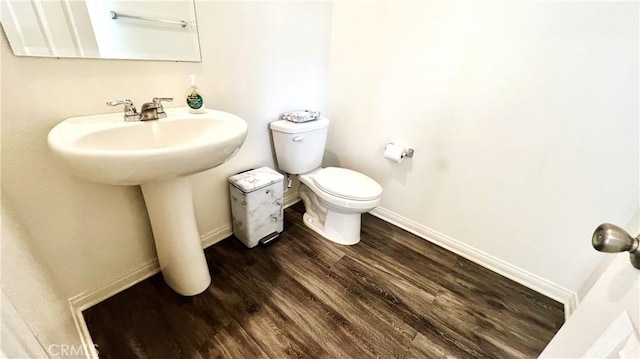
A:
[299,127]
[256,179]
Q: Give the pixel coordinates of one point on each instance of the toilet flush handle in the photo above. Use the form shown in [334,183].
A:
[298,138]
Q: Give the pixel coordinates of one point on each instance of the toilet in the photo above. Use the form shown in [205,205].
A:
[334,198]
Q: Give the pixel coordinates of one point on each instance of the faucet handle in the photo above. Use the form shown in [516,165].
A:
[160,109]
[127,103]
[130,112]
[160,99]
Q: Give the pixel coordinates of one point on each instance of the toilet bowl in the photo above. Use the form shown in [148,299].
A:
[334,200]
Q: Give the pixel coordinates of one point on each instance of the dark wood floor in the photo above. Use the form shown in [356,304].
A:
[393,295]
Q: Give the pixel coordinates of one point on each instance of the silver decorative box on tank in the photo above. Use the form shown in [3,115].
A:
[256,205]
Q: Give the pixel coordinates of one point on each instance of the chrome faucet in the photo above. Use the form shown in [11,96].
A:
[154,110]
[150,111]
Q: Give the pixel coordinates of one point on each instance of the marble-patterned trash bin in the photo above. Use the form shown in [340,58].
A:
[256,205]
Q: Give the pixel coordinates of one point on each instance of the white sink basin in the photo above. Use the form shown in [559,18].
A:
[106,149]
[158,155]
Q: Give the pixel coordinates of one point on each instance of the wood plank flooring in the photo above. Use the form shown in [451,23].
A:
[393,295]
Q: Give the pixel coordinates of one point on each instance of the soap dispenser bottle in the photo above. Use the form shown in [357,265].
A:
[194,98]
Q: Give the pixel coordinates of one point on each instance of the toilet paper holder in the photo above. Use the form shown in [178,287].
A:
[407,152]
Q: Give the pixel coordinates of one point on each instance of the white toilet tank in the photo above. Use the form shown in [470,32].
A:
[299,146]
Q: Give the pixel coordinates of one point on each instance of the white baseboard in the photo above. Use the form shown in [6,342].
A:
[108,288]
[103,291]
[129,278]
[216,235]
[290,199]
[565,296]
[133,276]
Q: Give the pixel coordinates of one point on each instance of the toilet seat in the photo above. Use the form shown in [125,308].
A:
[347,184]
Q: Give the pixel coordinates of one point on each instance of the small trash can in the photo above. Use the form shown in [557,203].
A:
[256,205]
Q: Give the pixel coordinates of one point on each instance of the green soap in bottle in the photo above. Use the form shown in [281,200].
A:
[194,98]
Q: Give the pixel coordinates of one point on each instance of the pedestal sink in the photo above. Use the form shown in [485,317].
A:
[158,155]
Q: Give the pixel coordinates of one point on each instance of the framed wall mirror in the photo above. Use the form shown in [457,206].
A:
[104,29]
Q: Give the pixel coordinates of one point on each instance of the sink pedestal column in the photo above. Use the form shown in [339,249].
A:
[175,231]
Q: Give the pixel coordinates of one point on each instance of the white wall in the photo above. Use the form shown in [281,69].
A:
[523,117]
[29,287]
[259,60]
